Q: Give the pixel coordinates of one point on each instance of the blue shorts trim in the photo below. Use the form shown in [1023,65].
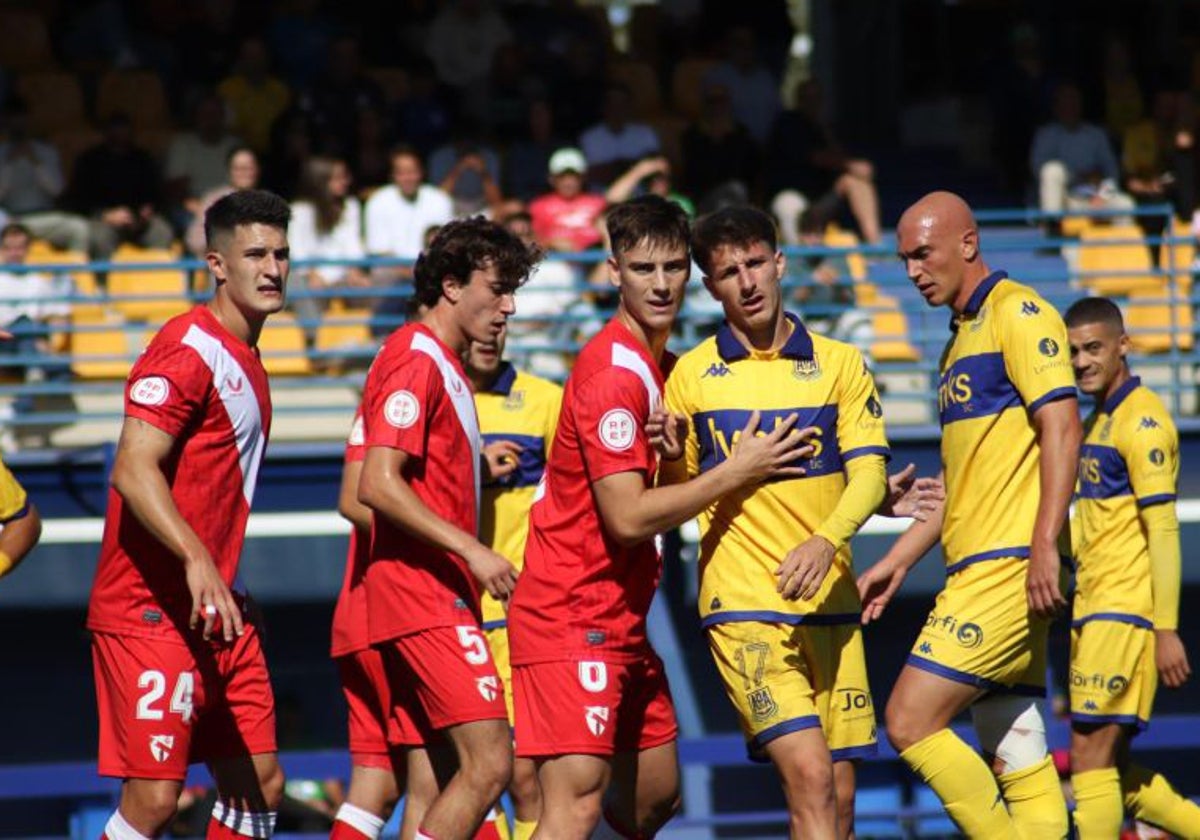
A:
[1147,501]
[1051,396]
[974,680]
[498,624]
[1123,720]
[854,753]
[1120,618]
[1021,551]
[755,745]
[772,617]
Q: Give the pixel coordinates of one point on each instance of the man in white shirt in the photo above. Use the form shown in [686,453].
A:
[616,142]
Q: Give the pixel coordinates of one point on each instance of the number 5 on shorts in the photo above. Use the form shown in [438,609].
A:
[471,638]
[156,684]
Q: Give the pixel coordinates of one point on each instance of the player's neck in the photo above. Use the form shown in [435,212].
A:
[975,275]
[765,339]
[655,342]
[481,382]
[236,322]
[439,321]
[1123,376]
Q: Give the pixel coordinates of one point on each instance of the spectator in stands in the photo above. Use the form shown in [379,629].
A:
[1158,163]
[649,175]
[468,171]
[293,141]
[527,159]
[31,181]
[462,40]
[1123,104]
[810,172]
[718,151]
[510,87]
[422,118]
[197,160]
[567,218]
[826,295]
[753,88]
[117,185]
[1073,161]
[338,95]
[299,36]
[253,96]
[241,173]
[369,158]
[615,143]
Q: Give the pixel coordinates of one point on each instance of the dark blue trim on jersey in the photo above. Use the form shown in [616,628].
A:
[1108,468]
[973,680]
[1120,618]
[975,386]
[1018,551]
[860,451]
[504,382]
[716,431]
[498,624]
[531,462]
[769,734]
[1150,501]
[975,303]
[1053,396]
[21,514]
[772,617]
[1113,402]
[1123,720]
[798,346]
[854,753]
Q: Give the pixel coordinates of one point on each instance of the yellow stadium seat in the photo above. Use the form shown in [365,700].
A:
[101,346]
[642,82]
[890,327]
[55,101]
[139,94]
[282,346]
[838,238]
[345,329]
[24,41]
[686,84]
[167,285]
[1114,260]
[1149,315]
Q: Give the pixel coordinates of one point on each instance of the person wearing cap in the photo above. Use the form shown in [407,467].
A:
[567,218]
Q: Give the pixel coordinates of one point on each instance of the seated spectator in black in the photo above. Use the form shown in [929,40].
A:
[650,175]
[241,173]
[1157,160]
[336,97]
[615,143]
[292,143]
[577,83]
[527,159]
[31,181]
[467,170]
[718,151]
[369,159]
[510,87]
[422,118]
[197,160]
[807,163]
[117,185]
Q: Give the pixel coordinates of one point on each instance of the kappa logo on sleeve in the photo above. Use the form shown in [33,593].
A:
[401,409]
[617,429]
[150,390]
[357,436]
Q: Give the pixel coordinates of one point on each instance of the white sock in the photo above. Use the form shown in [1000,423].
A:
[421,835]
[257,824]
[118,829]
[364,822]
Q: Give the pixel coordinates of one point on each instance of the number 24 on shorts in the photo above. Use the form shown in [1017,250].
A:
[155,685]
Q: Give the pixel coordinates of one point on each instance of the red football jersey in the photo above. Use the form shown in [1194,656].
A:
[206,388]
[581,594]
[349,633]
[417,399]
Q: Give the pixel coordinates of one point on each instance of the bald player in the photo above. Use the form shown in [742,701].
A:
[1010,443]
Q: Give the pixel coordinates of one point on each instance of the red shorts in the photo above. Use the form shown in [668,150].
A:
[445,676]
[592,708]
[164,705]
[377,727]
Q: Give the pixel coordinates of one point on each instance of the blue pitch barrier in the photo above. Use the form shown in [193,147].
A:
[898,808]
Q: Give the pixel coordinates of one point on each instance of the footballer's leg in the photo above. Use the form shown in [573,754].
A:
[146,809]
[527,798]
[1099,808]
[249,790]
[806,768]
[484,751]
[644,794]
[845,782]
[572,795]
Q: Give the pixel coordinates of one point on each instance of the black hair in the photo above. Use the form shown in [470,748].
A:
[647,218]
[237,150]
[740,225]
[17,228]
[1094,310]
[245,207]
[466,245]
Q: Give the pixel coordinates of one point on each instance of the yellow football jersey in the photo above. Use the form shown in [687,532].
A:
[745,536]
[13,501]
[1129,460]
[1007,357]
[523,408]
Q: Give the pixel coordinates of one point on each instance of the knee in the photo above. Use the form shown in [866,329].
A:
[524,786]
[150,805]
[658,813]
[489,770]
[903,729]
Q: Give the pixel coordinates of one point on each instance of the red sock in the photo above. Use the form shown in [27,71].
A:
[345,831]
[487,831]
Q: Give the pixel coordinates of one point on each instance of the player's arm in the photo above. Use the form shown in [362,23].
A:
[1059,434]
[139,476]
[18,538]
[383,488]
[351,509]
[1162,534]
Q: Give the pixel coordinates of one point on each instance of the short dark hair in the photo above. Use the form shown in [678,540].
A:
[466,245]
[1094,310]
[245,207]
[647,218]
[405,150]
[740,225]
[15,228]
[237,150]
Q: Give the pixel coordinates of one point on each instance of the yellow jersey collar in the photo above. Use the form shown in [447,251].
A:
[799,344]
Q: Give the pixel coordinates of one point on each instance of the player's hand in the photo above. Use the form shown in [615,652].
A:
[1042,588]
[667,433]
[911,496]
[804,568]
[760,456]
[876,586]
[493,571]
[501,458]
[211,600]
[1170,657]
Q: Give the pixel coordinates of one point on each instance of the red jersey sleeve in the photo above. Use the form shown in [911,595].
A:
[168,387]
[400,406]
[610,412]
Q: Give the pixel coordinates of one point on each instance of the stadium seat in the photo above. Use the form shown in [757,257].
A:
[1149,316]
[891,332]
[345,332]
[102,347]
[835,237]
[685,86]
[137,93]
[55,101]
[282,346]
[167,285]
[877,811]
[24,41]
[643,85]
[1114,260]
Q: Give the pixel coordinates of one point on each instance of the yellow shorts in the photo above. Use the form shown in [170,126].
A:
[497,639]
[783,678]
[1113,675]
[980,631]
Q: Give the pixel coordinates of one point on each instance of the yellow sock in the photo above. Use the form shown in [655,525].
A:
[1036,802]
[1150,798]
[1099,809]
[963,782]
[500,821]
[523,830]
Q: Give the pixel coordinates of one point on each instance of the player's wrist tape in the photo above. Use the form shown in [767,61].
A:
[6,564]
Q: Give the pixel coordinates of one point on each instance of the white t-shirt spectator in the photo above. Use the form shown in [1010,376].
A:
[33,295]
[203,164]
[601,145]
[344,242]
[396,226]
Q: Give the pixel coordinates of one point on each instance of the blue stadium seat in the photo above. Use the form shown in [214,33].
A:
[877,811]
[931,819]
[88,821]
